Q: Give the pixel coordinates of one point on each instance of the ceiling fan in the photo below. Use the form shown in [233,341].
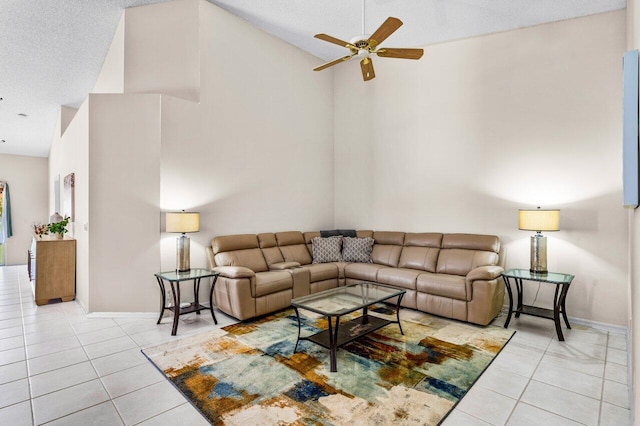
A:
[363,46]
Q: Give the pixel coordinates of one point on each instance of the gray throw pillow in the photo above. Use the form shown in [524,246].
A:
[357,249]
[326,249]
[336,232]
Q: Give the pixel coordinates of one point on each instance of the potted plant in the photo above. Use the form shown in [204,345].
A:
[58,229]
[40,230]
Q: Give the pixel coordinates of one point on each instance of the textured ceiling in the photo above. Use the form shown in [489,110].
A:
[51,51]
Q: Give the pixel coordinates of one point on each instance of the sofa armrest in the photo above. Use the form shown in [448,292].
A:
[485,273]
[210,260]
[234,271]
[280,266]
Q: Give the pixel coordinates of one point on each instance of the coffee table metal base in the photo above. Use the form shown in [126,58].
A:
[340,334]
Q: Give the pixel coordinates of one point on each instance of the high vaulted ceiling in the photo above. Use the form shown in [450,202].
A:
[51,51]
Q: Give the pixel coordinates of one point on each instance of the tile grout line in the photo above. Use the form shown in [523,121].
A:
[604,375]
[26,359]
[99,379]
[530,378]
[561,388]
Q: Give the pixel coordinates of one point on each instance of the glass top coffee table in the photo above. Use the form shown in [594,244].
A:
[340,301]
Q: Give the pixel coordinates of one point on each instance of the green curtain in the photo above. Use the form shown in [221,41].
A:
[7,230]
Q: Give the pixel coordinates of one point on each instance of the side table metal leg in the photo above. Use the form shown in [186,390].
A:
[507,285]
[163,305]
[398,313]
[563,299]
[519,291]
[213,285]
[556,313]
[196,292]
[175,289]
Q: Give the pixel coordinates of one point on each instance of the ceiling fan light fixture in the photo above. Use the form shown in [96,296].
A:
[363,46]
[360,41]
[362,54]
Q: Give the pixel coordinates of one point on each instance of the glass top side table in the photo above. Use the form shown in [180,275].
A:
[560,280]
[174,278]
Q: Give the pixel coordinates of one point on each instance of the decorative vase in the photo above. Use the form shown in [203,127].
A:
[57,236]
[54,218]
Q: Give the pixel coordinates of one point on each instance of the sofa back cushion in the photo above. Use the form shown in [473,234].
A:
[387,248]
[460,253]
[308,236]
[364,234]
[239,250]
[420,251]
[269,247]
[293,247]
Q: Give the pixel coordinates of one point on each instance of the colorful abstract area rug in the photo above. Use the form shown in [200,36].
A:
[247,374]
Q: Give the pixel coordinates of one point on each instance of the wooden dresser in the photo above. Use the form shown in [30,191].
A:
[52,270]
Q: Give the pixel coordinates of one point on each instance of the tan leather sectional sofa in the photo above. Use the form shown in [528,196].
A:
[452,275]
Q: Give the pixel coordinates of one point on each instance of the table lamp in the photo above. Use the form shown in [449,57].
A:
[538,220]
[183,222]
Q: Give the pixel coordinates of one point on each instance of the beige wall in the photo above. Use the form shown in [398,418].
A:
[250,156]
[27,178]
[111,77]
[70,154]
[161,49]
[124,217]
[478,128]
[256,154]
[633,42]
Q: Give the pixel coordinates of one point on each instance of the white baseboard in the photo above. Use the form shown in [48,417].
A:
[618,329]
[79,303]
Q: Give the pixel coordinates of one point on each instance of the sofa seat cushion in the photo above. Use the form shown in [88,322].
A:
[451,286]
[272,282]
[322,271]
[362,271]
[398,277]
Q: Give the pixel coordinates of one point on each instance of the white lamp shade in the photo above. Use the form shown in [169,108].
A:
[539,220]
[183,222]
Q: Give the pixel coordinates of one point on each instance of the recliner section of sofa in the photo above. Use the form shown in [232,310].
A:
[451,275]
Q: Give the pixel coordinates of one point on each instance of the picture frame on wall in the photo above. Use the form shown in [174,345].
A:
[630,131]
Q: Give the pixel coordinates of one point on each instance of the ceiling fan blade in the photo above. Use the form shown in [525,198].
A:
[387,28]
[392,52]
[332,63]
[334,40]
[367,69]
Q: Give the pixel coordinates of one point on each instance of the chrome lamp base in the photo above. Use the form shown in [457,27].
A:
[538,254]
[182,254]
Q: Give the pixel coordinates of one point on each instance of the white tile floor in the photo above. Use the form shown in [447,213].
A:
[538,380]
[61,368]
